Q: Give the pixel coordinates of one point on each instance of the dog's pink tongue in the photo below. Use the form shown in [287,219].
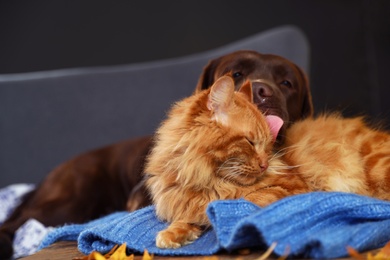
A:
[275,123]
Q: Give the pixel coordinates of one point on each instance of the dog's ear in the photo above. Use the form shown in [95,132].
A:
[307,103]
[206,79]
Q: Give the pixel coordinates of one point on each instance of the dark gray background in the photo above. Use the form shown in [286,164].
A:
[350,39]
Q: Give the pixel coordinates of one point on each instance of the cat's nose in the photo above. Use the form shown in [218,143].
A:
[263,166]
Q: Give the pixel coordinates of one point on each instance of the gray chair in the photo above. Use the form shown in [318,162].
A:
[48,117]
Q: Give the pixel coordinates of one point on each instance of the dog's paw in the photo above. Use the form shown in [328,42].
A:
[177,235]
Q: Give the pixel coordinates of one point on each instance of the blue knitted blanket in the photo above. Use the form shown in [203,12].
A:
[313,225]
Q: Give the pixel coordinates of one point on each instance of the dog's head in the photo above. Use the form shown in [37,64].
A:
[279,86]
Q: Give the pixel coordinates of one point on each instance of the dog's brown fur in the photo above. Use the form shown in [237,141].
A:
[110,179]
[279,86]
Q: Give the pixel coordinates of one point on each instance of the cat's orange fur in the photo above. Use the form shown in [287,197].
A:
[217,145]
[340,154]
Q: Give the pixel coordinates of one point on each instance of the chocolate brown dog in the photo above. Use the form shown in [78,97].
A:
[109,179]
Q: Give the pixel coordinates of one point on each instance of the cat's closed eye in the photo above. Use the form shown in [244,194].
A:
[250,141]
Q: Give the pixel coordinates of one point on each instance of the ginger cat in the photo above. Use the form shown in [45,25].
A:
[218,145]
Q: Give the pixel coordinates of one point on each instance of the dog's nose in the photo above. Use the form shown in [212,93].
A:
[261,89]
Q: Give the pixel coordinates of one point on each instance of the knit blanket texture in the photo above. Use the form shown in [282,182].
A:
[313,225]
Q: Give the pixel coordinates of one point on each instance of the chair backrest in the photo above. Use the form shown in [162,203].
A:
[48,117]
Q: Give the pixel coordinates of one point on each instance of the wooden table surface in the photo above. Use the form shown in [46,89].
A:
[67,250]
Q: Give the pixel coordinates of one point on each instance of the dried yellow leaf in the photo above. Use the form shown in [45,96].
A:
[97,256]
[355,254]
[120,253]
[116,253]
[146,256]
[383,254]
[113,249]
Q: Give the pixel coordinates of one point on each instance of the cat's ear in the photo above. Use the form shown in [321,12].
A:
[220,98]
[246,89]
[275,123]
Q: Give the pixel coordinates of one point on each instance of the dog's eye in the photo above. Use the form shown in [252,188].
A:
[286,83]
[237,74]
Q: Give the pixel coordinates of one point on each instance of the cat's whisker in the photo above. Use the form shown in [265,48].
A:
[225,164]
[229,163]
[232,172]
[288,167]
[282,152]
[230,175]
[232,168]
[279,169]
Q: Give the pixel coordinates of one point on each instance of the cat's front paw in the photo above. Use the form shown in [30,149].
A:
[177,235]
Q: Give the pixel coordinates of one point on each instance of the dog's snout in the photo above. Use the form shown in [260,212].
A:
[261,90]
